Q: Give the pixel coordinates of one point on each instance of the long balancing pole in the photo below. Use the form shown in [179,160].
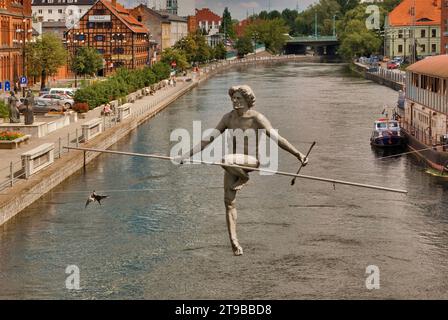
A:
[288,174]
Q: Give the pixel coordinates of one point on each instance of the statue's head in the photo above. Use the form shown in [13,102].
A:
[246,92]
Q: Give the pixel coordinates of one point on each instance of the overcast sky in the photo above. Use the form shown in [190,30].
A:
[239,8]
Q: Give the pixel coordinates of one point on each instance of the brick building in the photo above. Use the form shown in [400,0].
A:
[15,31]
[115,33]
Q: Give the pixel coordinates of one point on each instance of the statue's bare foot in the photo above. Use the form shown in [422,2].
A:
[238,251]
[239,184]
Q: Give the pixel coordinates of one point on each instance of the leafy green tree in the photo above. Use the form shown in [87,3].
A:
[195,47]
[220,51]
[244,45]
[227,26]
[172,54]
[274,15]
[290,17]
[263,15]
[325,10]
[45,57]
[355,39]
[86,61]
[273,33]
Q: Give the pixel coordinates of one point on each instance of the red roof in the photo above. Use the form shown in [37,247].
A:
[428,12]
[241,27]
[124,15]
[205,14]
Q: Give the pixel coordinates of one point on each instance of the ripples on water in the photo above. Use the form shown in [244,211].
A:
[165,235]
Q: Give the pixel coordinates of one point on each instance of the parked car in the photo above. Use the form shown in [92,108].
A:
[392,65]
[56,98]
[47,106]
[68,91]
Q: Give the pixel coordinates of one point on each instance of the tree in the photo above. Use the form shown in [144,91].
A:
[170,55]
[325,10]
[227,26]
[86,61]
[195,47]
[45,57]
[274,15]
[271,32]
[220,51]
[244,46]
[290,17]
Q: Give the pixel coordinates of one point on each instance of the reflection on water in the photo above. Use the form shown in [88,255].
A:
[162,232]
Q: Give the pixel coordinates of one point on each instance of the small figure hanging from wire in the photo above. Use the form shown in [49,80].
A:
[95,197]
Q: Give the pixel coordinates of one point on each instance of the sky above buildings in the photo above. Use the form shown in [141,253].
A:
[240,8]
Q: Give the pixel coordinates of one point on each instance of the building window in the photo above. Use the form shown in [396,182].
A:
[423,47]
[400,34]
[400,48]
[39,11]
[101,51]
[99,37]
[433,48]
[80,37]
[139,18]
[59,10]
[423,33]
[434,33]
[50,11]
[118,50]
[99,12]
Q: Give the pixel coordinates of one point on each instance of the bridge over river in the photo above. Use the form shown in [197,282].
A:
[322,45]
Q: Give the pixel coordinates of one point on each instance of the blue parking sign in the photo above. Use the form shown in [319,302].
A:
[7,85]
[23,81]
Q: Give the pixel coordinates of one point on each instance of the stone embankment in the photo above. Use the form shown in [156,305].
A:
[394,79]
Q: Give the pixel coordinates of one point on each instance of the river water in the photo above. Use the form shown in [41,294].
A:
[162,233]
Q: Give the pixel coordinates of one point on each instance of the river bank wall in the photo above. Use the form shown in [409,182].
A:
[363,71]
[21,195]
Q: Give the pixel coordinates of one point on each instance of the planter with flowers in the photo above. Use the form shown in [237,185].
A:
[12,139]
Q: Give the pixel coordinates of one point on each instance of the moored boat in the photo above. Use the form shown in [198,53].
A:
[387,133]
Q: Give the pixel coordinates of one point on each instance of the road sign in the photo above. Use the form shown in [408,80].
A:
[23,81]
[7,85]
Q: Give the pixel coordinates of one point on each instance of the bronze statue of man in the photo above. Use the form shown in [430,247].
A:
[29,104]
[244,117]
[14,113]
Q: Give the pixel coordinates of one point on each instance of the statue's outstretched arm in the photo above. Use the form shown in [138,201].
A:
[221,127]
[282,142]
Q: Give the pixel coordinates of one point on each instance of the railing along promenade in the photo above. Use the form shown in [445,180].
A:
[395,79]
[13,172]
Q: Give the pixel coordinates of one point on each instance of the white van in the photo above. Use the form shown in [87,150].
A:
[68,91]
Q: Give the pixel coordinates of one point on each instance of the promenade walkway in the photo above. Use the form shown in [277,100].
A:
[68,134]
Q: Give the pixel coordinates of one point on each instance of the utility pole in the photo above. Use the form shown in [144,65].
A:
[334,25]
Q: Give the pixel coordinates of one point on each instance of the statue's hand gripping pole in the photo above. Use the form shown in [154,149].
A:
[301,164]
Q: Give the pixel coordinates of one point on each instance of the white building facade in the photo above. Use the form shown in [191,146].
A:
[182,8]
[59,10]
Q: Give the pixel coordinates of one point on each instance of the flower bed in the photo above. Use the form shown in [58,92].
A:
[12,139]
[10,135]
